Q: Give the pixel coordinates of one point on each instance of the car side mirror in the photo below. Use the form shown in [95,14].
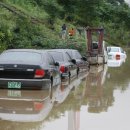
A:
[73,61]
[84,58]
[57,64]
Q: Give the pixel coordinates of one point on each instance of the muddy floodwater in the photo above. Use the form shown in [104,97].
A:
[96,100]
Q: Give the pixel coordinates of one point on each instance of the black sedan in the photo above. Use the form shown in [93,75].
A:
[27,69]
[81,62]
[67,66]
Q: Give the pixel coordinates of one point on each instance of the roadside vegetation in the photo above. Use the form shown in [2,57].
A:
[37,23]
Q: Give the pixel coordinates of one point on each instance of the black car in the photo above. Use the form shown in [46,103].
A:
[81,62]
[67,66]
[27,69]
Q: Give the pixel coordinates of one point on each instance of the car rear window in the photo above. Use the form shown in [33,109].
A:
[114,49]
[57,56]
[21,56]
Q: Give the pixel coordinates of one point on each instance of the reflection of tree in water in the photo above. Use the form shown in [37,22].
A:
[99,97]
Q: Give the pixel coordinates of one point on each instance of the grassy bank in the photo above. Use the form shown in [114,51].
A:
[37,23]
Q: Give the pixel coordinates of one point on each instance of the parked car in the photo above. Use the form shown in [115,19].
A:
[116,53]
[67,66]
[81,62]
[27,69]
[115,63]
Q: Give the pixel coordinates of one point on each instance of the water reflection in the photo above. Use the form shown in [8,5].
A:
[73,120]
[62,93]
[25,106]
[118,74]
[90,101]
[96,94]
[20,108]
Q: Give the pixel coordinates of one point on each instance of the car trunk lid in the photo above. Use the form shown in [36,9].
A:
[18,71]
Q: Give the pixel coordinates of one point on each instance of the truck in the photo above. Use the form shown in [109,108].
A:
[96,49]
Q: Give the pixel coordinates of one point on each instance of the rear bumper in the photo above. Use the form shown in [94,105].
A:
[27,83]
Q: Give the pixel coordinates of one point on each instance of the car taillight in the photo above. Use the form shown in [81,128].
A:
[62,69]
[117,57]
[39,73]
[38,106]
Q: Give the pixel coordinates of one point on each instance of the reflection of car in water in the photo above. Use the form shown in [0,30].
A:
[65,89]
[97,98]
[25,106]
[62,93]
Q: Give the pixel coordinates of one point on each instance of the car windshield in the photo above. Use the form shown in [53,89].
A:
[57,56]
[114,49]
[21,56]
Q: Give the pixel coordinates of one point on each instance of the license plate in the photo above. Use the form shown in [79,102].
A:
[14,85]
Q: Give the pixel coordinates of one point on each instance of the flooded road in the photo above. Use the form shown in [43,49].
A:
[98,100]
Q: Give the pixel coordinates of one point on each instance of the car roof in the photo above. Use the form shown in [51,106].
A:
[24,50]
[27,50]
[30,50]
[62,49]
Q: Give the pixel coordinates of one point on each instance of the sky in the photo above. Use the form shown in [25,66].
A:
[128,1]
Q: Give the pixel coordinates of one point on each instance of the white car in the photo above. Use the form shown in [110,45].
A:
[116,53]
[115,63]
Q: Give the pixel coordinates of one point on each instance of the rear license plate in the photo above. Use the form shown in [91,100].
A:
[14,85]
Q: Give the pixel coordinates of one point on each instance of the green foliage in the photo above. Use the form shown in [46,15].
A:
[116,2]
[23,32]
[5,30]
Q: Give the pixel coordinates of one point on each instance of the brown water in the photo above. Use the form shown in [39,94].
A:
[99,100]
